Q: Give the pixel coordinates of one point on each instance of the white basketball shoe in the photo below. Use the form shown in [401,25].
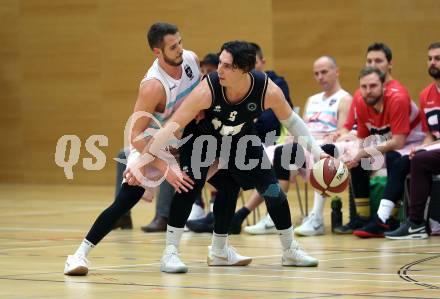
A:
[263,227]
[295,256]
[311,226]
[76,265]
[228,256]
[170,261]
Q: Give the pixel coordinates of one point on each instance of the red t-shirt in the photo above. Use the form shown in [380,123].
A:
[392,85]
[394,118]
[430,110]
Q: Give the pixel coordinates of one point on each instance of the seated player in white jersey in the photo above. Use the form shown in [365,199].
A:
[174,73]
[325,113]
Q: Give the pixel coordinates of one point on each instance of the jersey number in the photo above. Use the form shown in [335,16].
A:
[232,115]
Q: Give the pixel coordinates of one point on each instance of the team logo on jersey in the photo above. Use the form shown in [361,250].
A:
[217,108]
[332,101]
[189,71]
[251,106]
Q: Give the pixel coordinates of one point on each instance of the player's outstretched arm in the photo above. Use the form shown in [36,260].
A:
[294,124]
[199,99]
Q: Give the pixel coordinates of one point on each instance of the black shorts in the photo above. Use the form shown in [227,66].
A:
[248,176]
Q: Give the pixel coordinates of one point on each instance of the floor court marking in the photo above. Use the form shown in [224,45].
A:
[403,273]
[287,277]
[115,268]
[131,284]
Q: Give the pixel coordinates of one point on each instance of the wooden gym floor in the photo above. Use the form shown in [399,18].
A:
[41,225]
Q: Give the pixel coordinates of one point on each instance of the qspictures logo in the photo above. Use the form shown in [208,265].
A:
[203,153]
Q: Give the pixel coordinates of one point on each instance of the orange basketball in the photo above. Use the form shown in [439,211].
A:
[329,176]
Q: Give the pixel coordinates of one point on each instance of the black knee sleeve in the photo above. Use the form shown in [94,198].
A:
[279,211]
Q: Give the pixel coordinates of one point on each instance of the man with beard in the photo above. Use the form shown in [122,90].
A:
[231,98]
[426,162]
[384,114]
[173,75]
[380,56]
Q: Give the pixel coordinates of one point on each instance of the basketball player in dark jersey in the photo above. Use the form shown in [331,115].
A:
[231,99]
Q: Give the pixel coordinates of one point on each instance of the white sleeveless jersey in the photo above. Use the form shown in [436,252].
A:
[176,90]
[321,114]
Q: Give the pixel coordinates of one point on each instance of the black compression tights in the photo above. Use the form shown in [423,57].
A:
[127,198]
[225,201]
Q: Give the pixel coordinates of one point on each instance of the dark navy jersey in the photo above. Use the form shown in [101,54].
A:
[227,119]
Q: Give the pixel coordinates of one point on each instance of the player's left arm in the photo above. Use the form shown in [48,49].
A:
[274,99]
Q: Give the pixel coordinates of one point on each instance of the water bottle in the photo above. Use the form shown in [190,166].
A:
[336,206]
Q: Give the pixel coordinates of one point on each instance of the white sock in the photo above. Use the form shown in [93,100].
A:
[385,209]
[318,205]
[219,241]
[286,237]
[174,234]
[84,248]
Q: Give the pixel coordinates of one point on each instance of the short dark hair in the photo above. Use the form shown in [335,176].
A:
[381,47]
[435,45]
[211,59]
[368,70]
[157,32]
[243,54]
[257,50]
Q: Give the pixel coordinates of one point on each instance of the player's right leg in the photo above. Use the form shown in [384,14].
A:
[277,205]
[220,253]
[181,205]
[128,196]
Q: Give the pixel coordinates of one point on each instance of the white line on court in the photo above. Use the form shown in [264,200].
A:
[380,280]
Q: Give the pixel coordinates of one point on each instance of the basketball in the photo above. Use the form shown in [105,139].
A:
[329,176]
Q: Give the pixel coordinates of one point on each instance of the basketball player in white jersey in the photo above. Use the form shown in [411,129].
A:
[173,75]
[325,113]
